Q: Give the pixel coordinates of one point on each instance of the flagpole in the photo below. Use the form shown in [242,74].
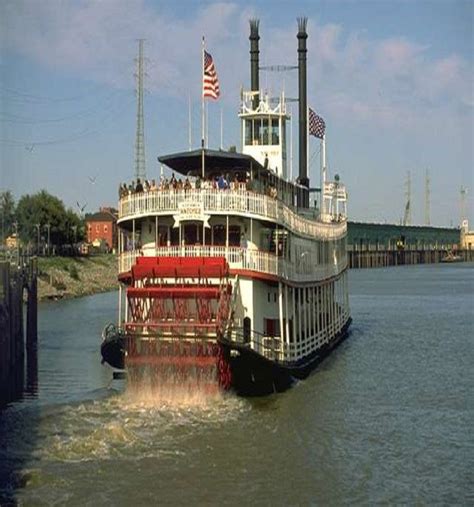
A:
[307,146]
[190,133]
[203,126]
[323,156]
[291,142]
[222,131]
[323,168]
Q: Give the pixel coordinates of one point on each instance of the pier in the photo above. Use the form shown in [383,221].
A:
[371,245]
[18,292]
[376,256]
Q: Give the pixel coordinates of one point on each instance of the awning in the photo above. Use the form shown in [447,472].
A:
[189,163]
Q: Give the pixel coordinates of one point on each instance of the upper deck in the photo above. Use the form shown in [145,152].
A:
[200,204]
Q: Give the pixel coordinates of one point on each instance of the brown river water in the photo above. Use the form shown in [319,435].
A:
[387,418]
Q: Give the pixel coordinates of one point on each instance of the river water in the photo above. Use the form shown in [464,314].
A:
[387,418]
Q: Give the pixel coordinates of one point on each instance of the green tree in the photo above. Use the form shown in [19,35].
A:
[7,214]
[42,213]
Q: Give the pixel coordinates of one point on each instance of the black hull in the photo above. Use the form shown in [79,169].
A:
[254,375]
[113,351]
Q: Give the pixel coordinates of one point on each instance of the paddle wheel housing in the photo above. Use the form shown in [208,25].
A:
[177,309]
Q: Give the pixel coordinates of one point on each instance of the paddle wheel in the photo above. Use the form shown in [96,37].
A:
[177,309]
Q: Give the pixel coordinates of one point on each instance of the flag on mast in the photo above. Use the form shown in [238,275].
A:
[317,125]
[210,82]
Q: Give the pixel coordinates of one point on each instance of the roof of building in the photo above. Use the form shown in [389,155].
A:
[101,216]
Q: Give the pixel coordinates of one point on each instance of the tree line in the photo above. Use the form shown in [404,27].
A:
[39,219]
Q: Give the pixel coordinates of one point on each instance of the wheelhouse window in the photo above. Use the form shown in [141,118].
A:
[262,131]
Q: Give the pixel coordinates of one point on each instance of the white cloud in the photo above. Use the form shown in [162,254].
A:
[388,80]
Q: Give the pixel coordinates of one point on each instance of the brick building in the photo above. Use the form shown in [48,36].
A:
[102,226]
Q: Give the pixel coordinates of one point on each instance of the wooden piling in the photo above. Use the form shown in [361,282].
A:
[14,280]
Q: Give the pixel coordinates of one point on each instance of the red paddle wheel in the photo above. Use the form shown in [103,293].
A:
[177,309]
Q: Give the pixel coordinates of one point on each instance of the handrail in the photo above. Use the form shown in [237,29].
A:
[242,259]
[234,201]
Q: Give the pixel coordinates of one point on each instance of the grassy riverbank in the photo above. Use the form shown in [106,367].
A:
[67,277]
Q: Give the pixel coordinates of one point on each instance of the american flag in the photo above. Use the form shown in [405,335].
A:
[317,127]
[210,84]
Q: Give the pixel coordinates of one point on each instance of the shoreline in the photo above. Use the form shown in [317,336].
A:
[72,277]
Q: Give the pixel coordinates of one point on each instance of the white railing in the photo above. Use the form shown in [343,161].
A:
[236,202]
[241,258]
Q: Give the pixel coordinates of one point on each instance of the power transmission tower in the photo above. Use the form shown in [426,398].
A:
[427,198]
[407,214]
[140,170]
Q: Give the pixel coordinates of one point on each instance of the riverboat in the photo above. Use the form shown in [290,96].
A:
[235,277]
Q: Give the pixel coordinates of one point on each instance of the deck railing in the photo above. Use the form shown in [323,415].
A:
[238,201]
[242,259]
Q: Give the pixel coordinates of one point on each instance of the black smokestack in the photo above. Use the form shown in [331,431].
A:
[254,38]
[303,109]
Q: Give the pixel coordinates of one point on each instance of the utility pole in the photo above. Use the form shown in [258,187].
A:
[48,226]
[407,214]
[463,194]
[17,238]
[427,198]
[140,170]
[38,227]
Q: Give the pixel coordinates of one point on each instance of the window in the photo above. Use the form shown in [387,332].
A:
[162,235]
[106,228]
[97,228]
[275,138]
[271,327]
[248,132]
[190,234]
[219,235]
[247,329]
[234,235]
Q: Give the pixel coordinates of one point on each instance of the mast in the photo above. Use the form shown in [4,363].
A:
[203,111]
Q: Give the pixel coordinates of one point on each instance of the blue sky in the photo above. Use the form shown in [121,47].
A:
[393,80]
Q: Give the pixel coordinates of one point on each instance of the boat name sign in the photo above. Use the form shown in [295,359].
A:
[191,211]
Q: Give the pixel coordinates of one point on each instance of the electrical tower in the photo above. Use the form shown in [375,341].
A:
[427,198]
[140,170]
[407,214]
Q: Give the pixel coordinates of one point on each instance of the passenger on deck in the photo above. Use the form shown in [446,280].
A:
[221,182]
[139,187]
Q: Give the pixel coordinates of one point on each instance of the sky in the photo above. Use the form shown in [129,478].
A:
[393,80]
